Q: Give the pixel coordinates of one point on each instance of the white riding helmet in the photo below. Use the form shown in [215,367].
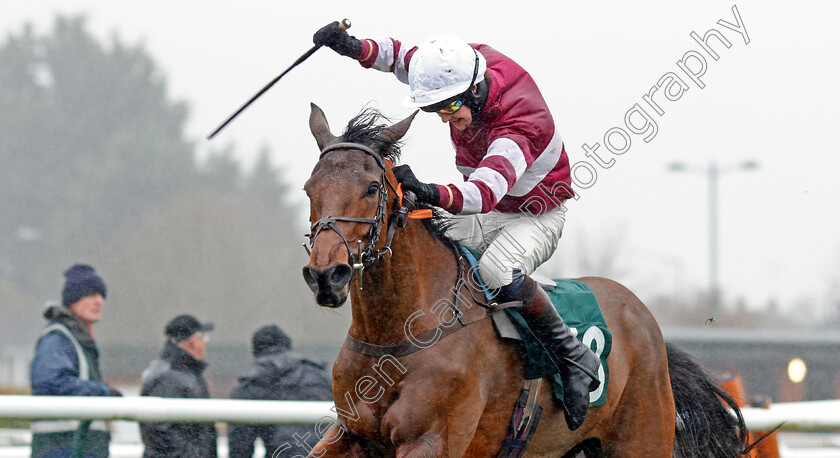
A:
[442,68]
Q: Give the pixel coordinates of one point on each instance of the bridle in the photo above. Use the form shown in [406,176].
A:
[404,208]
[370,255]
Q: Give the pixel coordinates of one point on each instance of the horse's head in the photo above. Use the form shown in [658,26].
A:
[348,200]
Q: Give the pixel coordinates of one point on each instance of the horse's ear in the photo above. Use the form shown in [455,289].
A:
[394,133]
[320,128]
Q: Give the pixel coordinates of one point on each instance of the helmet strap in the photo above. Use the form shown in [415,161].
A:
[476,100]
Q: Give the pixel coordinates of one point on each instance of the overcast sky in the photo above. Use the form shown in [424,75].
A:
[773,100]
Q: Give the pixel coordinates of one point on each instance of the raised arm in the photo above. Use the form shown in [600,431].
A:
[386,55]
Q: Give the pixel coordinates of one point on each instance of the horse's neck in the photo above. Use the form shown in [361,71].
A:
[421,272]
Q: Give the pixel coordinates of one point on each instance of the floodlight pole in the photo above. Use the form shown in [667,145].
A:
[712,173]
[714,280]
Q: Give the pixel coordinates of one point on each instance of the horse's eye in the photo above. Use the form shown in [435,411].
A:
[372,189]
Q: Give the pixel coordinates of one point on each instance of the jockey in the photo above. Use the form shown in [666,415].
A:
[516,176]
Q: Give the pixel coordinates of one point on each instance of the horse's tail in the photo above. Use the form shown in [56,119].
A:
[705,425]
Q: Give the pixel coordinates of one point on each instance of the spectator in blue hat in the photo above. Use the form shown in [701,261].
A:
[66,363]
[178,374]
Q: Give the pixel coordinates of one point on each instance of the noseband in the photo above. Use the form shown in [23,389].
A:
[370,255]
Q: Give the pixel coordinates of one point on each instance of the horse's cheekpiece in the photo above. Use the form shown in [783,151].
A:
[367,257]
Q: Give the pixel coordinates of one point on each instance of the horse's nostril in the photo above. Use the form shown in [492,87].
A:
[334,277]
[310,276]
[339,275]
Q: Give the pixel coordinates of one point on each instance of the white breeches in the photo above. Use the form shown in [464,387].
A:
[509,241]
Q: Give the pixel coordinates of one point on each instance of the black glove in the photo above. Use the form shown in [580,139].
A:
[339,40]
[425,192]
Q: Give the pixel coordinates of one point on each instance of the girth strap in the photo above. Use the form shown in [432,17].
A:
[526,419]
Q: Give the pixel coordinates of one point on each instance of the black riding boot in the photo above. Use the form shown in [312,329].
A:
[578,364]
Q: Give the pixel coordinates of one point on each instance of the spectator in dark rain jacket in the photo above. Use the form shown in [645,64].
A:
[177,374]
[66,363]
[277,374]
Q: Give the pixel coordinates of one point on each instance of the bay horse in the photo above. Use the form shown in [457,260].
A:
[423,373]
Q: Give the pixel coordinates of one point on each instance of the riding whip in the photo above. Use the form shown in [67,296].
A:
[344,24]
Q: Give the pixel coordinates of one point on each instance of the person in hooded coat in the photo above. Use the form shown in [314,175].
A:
[178,374]
[277,374]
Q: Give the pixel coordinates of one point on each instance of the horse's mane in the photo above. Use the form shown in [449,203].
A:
[365,128]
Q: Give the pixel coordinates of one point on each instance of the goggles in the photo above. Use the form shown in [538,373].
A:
[449,106]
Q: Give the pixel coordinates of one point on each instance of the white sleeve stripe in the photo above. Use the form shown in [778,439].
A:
[399,70]
[385,56]
[493,179]
[541,167]
[509,150]
[472,198]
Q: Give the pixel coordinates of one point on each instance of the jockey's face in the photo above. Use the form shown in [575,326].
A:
[460,120]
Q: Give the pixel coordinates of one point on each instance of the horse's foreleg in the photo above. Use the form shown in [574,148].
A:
[433,429]
[336,442]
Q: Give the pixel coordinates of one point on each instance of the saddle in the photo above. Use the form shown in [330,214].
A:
[576,303]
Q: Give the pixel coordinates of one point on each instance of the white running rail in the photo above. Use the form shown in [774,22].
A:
[154,409]
[801,416]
